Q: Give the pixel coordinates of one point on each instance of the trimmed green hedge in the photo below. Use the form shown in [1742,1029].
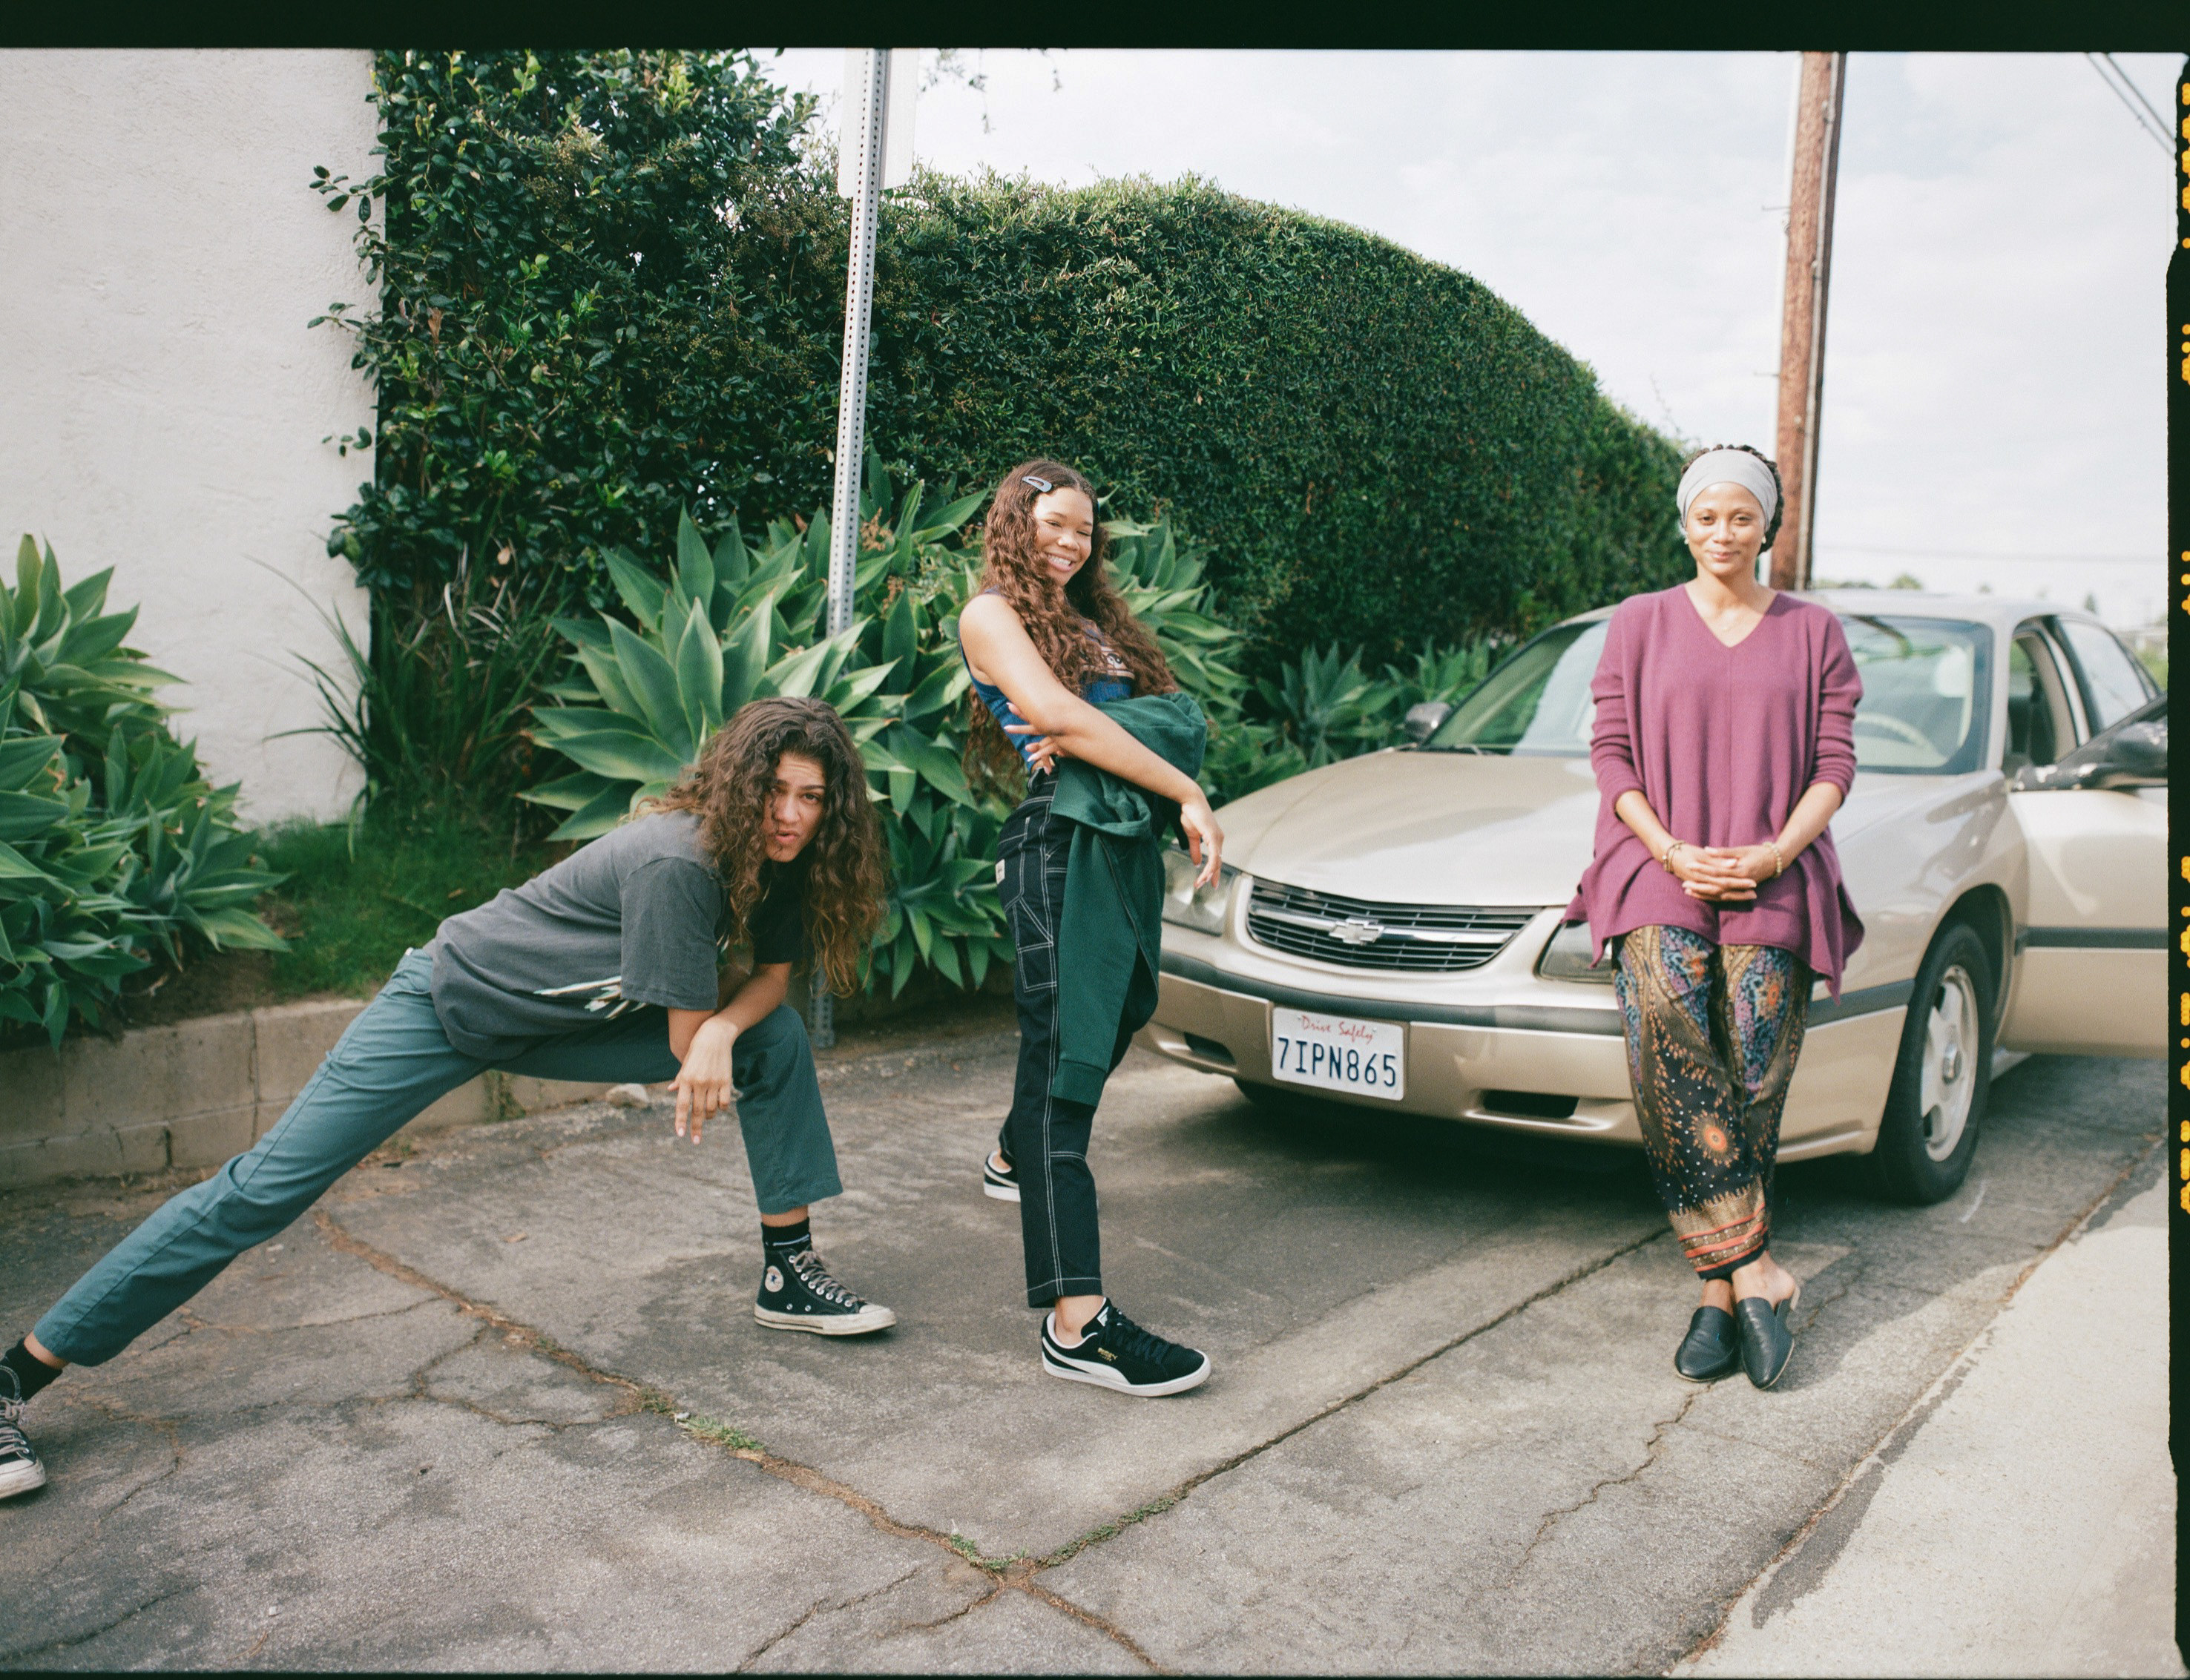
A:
[1377,447]
[613,285]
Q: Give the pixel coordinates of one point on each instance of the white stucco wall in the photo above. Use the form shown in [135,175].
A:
[162,403]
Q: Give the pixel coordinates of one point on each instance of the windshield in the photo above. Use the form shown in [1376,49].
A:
[1536,703]
[1925,685]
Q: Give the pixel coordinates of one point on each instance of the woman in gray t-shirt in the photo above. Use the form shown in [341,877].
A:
[604,967]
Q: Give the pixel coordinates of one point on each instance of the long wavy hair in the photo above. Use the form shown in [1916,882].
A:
[728,790]
[1013,566]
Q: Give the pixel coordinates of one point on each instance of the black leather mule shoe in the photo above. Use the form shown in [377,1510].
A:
[1766,1339]
[1711,1348]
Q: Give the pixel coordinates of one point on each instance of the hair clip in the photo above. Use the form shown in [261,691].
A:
[1041,484]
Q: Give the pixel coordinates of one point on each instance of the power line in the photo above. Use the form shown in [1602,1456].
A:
[2132,98]
[1974,554]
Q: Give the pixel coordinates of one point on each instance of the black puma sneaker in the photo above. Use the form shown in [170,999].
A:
[1117,1354]
[20,1469]
[1001,1182]
[797,1293]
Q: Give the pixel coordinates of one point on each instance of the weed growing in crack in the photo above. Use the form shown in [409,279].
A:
[1109,1531]
[723,1434]
[973,1554]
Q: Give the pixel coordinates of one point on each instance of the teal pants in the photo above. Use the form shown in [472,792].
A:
[393,1063]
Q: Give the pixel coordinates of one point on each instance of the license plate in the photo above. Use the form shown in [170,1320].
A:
[1365,1058]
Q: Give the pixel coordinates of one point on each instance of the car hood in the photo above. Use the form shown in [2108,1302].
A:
[1447,828]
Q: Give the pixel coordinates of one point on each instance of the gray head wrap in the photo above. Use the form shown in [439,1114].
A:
[1728,466]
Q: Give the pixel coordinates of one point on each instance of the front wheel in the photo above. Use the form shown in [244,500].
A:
[1940,1076]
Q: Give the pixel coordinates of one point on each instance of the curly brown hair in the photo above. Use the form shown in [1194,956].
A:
[728,790]
[1013,568]
[1778,489]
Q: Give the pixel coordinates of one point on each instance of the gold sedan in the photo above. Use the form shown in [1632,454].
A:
[1386,932]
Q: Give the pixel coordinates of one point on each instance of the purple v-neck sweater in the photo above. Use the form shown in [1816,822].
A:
[1723,742]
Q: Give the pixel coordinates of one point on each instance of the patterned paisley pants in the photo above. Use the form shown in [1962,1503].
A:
[1713,1033]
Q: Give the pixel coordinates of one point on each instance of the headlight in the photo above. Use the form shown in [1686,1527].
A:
[1203,911]
[1567,957]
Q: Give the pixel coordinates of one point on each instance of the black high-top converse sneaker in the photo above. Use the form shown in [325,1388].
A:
[1118,1354]
[20,1469]
[797,1293]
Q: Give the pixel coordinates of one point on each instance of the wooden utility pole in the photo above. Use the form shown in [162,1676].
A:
[1802,319]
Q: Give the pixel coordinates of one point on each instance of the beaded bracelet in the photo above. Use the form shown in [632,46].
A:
[1779,862]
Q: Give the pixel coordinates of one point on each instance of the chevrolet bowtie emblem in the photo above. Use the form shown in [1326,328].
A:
[1358,930]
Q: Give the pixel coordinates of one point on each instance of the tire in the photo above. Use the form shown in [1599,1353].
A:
[1942,1075]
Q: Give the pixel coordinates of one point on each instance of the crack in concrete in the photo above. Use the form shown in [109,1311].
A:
[1016,1572]
[780,1636]
[821,1606]
[1164,1502]
[84,1639]
[1102,1624]
[1898,1434]
[193,1324]
[994,1589]
[1553,1518]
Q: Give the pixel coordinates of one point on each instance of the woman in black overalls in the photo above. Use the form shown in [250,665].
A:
[1047,642]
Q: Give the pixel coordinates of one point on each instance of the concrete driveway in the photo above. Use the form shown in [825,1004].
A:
[502,1401]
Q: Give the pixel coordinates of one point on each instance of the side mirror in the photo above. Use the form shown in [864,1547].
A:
[2139,751]
[1425,719]
[2133,754]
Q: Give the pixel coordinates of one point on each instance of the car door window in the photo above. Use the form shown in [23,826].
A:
[2115,684]
[2040,726]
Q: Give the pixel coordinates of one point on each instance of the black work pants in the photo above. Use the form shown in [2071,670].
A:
[1045,1137]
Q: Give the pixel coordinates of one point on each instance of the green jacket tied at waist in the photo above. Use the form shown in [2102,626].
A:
[1110,938]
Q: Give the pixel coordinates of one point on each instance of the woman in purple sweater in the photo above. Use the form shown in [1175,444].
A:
[1723,744]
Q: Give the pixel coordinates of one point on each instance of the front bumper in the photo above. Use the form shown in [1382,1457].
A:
[1498,1045]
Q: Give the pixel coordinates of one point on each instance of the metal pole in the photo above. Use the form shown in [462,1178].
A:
[866,112]
[1802,319]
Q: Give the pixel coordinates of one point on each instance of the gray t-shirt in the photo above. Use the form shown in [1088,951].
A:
[632,919]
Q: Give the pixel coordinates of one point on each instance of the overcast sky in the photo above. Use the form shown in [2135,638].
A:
[1994,397]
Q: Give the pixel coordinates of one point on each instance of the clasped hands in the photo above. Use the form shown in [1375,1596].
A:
[1722,875]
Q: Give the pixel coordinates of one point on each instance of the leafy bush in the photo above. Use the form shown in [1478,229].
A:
[612,284]
[434,709]
[729,623]
[563,346]
[113,843]
[1325,709]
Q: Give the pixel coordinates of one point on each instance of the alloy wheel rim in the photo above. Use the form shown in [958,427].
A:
[1948,1085]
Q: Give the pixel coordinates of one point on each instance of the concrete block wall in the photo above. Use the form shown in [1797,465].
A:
[191,1095]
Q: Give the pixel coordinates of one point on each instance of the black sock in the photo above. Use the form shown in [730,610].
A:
[778,1242]
[29,1373]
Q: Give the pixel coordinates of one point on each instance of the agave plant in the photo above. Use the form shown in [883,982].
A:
[190,866]
[729,623]
[1327,707]
[61,653]
[113,843]
[1162,582]
[1445,674]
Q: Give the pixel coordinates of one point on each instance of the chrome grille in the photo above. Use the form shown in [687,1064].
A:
[1359,933]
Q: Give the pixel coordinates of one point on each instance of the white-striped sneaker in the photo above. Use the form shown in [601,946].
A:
[1001,1182]
[1116,1353]
[20,1469]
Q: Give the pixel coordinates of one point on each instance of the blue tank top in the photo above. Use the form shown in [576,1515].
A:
[1100,690]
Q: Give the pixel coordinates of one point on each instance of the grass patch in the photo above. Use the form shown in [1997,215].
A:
[356,898]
